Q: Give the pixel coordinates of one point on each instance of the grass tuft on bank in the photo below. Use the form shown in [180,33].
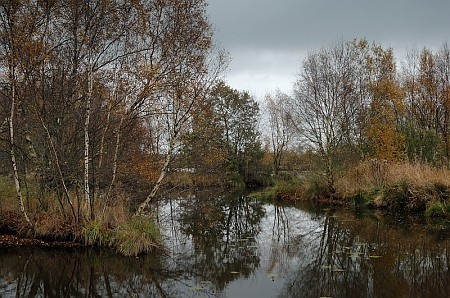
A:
[137,236]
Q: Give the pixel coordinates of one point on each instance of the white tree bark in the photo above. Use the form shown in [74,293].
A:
[87,195]
[12,152]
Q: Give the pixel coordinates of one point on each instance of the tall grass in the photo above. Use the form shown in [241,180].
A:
[416,175]
[112,226]
[139,235]
[94,233]
[416,187]
[133,237]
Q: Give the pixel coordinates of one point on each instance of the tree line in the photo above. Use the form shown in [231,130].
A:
[352,101]
[95,92]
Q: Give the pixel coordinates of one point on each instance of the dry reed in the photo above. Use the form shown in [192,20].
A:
[417,175]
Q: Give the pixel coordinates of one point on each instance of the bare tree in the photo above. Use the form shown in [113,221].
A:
[17,27]
[322,95]
[281,126]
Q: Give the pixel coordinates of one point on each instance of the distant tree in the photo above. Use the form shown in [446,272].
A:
[203,148]
[386,106]
[443,88]
[322,102]
[425,79]
[281,125]
[237,113]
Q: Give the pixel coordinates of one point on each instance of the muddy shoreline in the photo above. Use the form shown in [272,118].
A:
[12,241]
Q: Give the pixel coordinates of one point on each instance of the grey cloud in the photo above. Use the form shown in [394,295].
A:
[256,31]
[312,23]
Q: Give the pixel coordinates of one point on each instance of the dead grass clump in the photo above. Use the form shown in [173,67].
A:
[411,187]
[115,211]
[418,175]
[355,180]
[55,227]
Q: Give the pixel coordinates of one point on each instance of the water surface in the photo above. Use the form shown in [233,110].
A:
[234,246]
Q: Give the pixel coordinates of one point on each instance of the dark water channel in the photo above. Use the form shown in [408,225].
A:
[233,246]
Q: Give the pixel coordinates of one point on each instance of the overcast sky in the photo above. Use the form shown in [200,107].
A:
[268,39]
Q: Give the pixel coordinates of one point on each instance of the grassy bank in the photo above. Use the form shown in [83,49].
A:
[113,225]
[402,187]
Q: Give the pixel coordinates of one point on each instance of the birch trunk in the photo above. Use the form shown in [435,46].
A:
[12,153]
[162,175]
[100,153]
[87,195]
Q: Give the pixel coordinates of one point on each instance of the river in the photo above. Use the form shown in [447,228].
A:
[234,246]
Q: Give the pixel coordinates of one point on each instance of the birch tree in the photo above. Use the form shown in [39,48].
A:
[281,126]
[18,25]
[192,68]
[322,96]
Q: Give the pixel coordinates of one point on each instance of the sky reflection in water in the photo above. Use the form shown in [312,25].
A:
[234,246]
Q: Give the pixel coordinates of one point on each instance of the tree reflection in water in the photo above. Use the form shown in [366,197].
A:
[217,243]
[233,246]
[41,272]
[359,258]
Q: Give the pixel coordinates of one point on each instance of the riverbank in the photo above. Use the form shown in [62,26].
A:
[11,240]
[123,233]
[402,187]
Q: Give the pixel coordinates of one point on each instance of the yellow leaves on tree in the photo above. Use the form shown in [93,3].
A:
[142,167]
[382,132]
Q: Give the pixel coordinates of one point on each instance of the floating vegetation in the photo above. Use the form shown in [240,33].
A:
[196,288]
[375,257]
[205,282]
[338,270]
